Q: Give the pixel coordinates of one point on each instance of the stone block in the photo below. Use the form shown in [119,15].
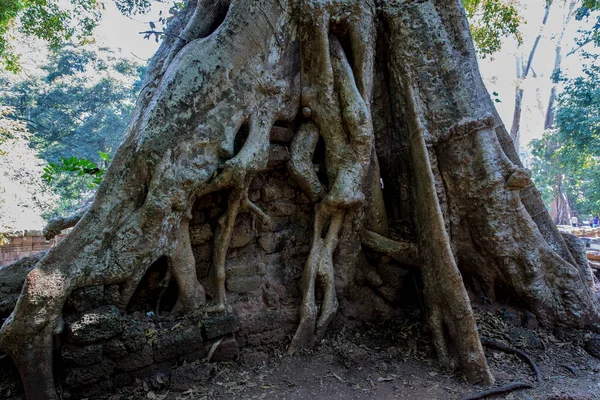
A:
[267,337]
[238,268]
[178,341]
[133,337]
[81,355]
[101,323]
[242,235]
[200,234]
[90,374]
[86,298]
[278,156]
[281,134]
[115,349]
[271,193]
[220,325]
[243,284]
[281,209]
[94,390]
[198,217]
[136,360]
[228,350]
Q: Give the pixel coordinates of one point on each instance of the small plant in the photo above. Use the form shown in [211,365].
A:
[80,166]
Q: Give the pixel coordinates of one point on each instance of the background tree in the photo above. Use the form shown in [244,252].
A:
[566,158]
[77,106]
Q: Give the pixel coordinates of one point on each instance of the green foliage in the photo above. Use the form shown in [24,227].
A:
[490,22]
[79,105]
[77,108]
[53,21]
[78,166]
[571,153]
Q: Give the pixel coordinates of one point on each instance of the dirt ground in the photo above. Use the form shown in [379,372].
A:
[391,361]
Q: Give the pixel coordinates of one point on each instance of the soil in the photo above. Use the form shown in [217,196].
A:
[369,361]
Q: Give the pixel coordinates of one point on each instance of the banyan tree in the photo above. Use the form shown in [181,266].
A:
[396,147]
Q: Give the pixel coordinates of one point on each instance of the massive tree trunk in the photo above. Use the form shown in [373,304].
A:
[394,91]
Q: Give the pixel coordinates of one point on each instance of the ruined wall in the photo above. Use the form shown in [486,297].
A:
[23,244]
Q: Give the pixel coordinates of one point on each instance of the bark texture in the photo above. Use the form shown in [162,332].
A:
[416,165]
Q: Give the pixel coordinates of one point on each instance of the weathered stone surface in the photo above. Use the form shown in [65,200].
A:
[198,217]
[235,268]
[593,346]
[243,284]
[271,192]
[228,350]
[177,341]
[200,234]
[278,156]
[203,202]
[13,275]
[101,323]
[115,348]
[136,360]
[86,298]
[269,337]
[281,134]
[220,325]
[242,235]
[82,355]
[92,391]
[281,209]
[86,375]
[133,337]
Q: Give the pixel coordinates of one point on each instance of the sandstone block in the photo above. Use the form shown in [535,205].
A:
[243,284]
[200,234]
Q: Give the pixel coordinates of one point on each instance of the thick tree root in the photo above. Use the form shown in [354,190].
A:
[56,225]
[511,387]
[318,266]
[450,316]
[521,354]
[182,266]
[337,101]
[404,252]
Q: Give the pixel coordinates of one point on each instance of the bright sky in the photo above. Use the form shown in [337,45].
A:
[118,31]
[499,73]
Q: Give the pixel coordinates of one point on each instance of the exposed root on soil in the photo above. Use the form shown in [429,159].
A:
[521,354]
[511,387]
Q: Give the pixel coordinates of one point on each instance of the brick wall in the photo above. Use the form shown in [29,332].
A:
[23,244]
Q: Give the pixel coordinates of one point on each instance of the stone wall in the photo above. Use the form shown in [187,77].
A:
[23,244]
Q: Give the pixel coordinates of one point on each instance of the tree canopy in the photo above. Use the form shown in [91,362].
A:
[570,152]
[76,108]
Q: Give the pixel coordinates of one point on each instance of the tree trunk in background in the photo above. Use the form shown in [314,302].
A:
[561,207]
[393,89]
[523,69]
